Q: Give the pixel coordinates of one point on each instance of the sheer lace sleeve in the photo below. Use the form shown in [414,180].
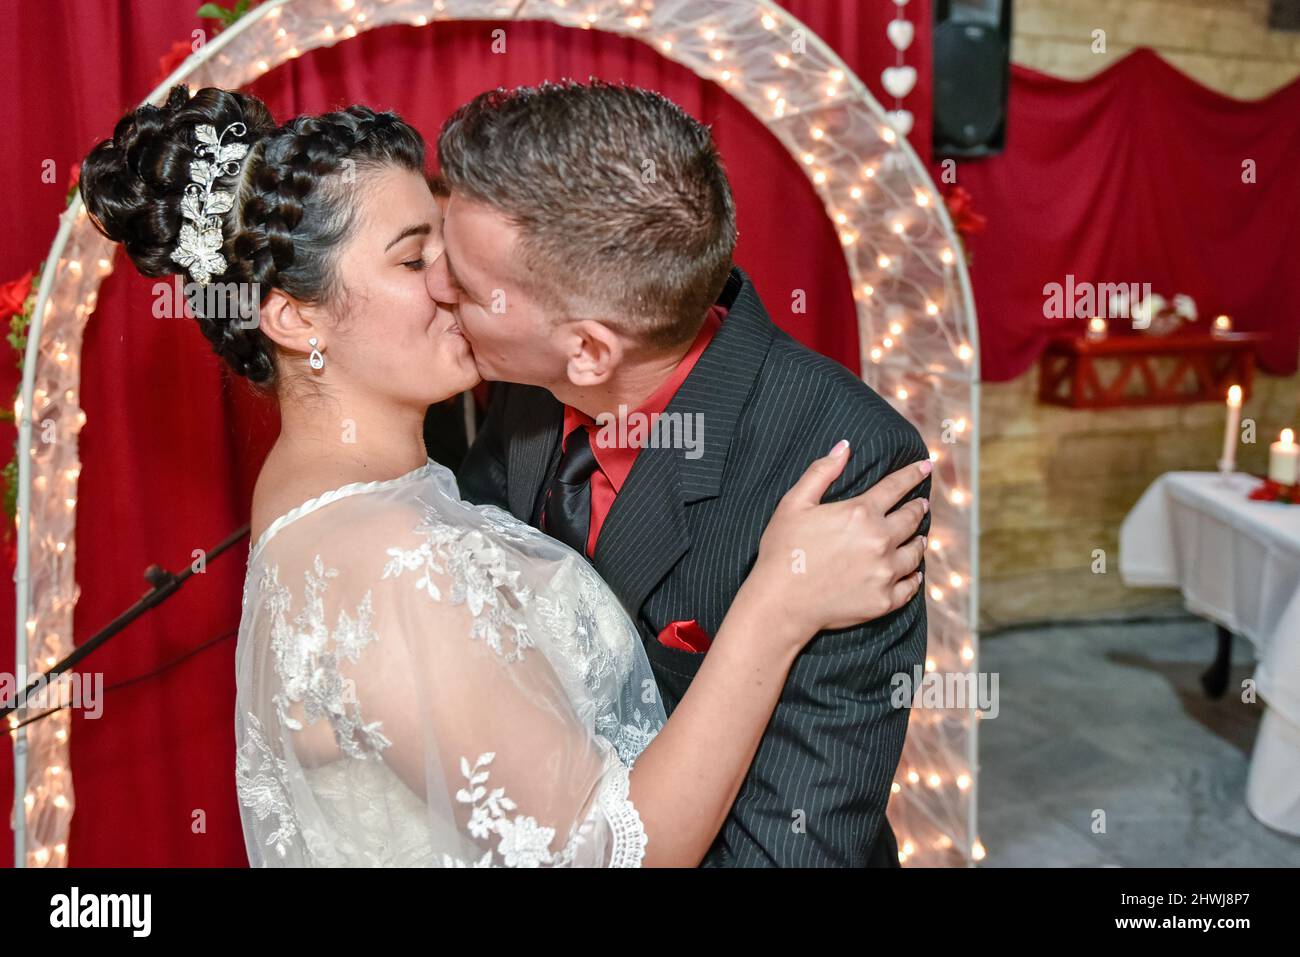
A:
[422,682]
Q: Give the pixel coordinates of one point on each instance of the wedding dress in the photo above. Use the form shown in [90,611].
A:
[424,682]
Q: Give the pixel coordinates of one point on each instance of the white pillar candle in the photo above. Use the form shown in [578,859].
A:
[1229,461]
[1284,459]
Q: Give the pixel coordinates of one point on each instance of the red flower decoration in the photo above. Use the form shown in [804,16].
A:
[1272,491]
[13,294]
[965,220]
[169,61]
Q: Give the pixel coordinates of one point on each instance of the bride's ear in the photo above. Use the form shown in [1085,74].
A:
[286,322]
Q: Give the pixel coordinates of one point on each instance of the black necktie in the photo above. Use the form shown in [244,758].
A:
[567,512]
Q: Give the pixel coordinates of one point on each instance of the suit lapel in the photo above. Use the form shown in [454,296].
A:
[646,532]
[538,415]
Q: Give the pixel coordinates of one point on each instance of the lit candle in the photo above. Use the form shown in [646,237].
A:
[1222,324]
[1284,459]
[1096,328]
[1228,462]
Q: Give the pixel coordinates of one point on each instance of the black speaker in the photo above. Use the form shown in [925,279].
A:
[972,73]
[1284,15]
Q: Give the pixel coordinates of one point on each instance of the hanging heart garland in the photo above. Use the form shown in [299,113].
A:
[900,33]
[899,79]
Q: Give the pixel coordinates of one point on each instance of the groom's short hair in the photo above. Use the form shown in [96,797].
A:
[622,204]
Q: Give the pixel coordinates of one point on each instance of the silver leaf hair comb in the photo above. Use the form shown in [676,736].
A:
[199,247]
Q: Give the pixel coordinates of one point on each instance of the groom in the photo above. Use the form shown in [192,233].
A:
[656,418]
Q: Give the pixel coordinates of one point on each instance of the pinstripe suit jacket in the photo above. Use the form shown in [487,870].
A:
[683,533]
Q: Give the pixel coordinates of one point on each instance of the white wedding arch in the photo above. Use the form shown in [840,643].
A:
[915,314]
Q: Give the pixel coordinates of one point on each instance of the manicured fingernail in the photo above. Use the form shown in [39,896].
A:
[840,447]
[925,505]
[926,467]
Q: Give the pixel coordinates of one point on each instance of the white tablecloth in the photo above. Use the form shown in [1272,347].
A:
[1238,564]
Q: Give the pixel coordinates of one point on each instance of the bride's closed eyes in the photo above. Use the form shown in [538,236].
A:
[412,255]
[422,257]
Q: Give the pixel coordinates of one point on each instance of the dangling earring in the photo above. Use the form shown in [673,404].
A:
[315,360]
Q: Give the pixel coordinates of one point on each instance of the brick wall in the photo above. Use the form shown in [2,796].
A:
[1055,484]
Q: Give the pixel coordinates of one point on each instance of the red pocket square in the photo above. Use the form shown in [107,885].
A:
[686,636]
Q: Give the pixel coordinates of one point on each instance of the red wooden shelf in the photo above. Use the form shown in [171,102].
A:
[1121,371]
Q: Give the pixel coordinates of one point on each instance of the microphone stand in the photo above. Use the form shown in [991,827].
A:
[165,584]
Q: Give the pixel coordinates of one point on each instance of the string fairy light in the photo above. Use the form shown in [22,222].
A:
[915,315]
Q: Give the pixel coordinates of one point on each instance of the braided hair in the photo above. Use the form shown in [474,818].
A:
[293,209]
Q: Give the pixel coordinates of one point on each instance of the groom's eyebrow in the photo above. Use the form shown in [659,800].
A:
[421,229]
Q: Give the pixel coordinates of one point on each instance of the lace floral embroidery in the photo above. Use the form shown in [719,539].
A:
[569,611]
[525,595]
[260,777]
[575,606]
[509,527]
[521,841]
[307,658]
[481,576]
[629,739]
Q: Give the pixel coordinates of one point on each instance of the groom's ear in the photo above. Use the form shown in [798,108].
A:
[593,351]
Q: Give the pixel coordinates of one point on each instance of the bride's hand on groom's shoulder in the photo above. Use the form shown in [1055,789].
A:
[838,564]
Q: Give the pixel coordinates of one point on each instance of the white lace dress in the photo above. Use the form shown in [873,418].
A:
[424,682]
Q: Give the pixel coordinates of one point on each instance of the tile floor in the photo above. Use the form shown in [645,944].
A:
[1111,717]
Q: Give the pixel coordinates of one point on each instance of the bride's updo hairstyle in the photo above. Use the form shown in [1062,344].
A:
[296,193]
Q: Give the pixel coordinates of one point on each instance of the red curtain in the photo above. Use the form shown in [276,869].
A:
[172,445]
[1136,175]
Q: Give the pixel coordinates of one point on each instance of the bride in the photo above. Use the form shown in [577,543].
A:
[421,681]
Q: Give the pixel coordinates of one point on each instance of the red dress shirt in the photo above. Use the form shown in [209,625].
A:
[614,462]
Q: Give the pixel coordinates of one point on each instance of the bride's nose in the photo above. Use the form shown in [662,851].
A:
[438,281]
